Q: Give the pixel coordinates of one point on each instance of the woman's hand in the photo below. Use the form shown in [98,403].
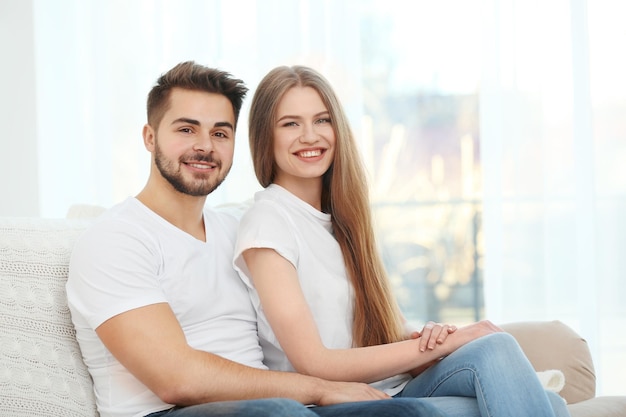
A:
[433,334]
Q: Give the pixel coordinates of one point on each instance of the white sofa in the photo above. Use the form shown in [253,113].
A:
[41,368]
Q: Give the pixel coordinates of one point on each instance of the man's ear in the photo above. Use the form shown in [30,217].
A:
[149,136]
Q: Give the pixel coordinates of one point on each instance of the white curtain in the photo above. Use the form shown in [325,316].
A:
[553,152]
[96,61]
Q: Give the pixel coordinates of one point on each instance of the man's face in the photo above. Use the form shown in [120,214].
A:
[194,143]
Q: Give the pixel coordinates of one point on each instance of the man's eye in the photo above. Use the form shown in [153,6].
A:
[185,130]
[221,135]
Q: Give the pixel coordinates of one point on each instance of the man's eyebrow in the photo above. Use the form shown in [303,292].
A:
[186,120]
[224,124]
[197,123]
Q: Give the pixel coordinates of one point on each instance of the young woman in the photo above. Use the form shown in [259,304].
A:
[307,253]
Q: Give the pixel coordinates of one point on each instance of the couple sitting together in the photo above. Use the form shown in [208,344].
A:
[182,310]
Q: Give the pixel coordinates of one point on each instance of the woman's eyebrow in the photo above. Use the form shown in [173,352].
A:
[287,116]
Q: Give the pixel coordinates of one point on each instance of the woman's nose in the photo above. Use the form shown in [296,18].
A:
[309,135]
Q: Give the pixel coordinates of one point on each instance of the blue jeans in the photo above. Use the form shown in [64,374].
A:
[489,376]
[281,407]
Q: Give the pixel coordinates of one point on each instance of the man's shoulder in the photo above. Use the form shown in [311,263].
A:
[125,218]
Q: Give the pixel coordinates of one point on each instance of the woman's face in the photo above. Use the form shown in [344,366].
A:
[304,139]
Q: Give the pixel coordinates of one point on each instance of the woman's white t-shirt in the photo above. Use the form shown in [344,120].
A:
[303,236]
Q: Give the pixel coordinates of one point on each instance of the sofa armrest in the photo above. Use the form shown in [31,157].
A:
[42,372]
[554,345]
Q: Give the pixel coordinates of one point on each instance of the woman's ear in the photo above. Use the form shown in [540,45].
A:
[148,137]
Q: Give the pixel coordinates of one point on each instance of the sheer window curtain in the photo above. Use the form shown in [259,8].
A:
[96,61]
[553,148]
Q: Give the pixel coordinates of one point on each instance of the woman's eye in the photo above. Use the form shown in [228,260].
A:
[324,120]
[290,124]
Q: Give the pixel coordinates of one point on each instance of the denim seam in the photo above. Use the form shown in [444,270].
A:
[477,383]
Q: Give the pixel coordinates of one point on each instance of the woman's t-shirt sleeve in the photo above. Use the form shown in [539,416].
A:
[265,225]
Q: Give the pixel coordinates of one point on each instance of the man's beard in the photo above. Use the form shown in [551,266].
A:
[173,174]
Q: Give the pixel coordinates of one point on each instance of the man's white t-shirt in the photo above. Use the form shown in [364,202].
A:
[302,235]
[131,258]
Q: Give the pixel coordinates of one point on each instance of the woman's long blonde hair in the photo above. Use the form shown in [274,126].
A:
[377,318]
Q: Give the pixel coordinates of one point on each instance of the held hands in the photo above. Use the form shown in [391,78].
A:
[434,334]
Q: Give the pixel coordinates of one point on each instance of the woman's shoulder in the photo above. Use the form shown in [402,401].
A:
[268,214]
[264,208]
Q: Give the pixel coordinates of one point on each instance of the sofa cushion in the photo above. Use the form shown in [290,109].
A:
[609,406]
[41,368]
[553,345]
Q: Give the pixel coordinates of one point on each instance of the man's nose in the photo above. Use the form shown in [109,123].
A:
[204,143]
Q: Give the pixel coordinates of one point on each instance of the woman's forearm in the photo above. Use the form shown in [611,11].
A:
[367,364]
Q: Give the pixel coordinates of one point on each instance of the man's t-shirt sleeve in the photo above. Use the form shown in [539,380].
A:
[114,268]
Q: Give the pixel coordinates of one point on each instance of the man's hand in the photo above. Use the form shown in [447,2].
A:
[342,392]
[475,330]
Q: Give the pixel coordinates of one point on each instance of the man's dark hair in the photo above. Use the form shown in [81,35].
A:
[191,76]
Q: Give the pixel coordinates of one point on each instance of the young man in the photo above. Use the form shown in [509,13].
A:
[164,323]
